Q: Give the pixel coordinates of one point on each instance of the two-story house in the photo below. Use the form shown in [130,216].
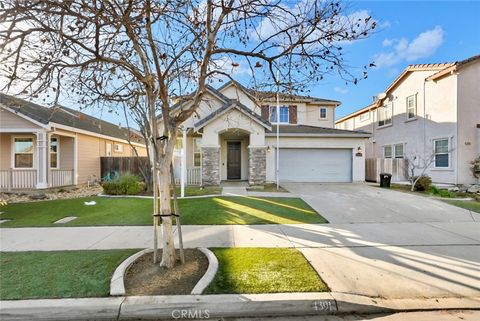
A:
[232,136]
[429,114]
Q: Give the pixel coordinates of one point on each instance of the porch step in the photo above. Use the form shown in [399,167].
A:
[234,191]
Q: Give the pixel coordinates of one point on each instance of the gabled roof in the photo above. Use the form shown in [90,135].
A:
[232,104]
[68,117]
[443,69]
[305,130]
[259,95]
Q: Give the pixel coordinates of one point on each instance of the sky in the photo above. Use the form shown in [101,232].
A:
[411,32]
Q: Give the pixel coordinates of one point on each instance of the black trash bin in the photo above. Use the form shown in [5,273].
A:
[385,179]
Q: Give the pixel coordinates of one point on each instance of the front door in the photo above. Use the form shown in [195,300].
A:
[234,160]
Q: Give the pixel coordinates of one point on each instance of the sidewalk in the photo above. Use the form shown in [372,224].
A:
[269,235]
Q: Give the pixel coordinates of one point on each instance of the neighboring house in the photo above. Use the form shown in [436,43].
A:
[232,136]
[50,147]
[430,110]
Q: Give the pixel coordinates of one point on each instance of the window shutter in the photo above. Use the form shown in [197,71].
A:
[292,114]
[265,112]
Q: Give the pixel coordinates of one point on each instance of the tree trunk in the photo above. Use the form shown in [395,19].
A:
[168,248]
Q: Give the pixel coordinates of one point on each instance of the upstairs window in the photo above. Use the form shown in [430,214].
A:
[442,158]
[323,113]
[385,115]
[23,152]
[411,106]
[53,152]
[283,115]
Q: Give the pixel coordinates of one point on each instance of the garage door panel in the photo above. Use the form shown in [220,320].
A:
[315,165]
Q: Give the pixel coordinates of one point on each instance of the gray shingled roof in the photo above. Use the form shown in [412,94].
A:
[232,104]
[67,117]
[299,130]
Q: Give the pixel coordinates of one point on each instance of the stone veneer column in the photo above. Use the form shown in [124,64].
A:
[257,165]
[210,166]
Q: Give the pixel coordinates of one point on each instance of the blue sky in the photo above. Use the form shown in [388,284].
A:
[410,32]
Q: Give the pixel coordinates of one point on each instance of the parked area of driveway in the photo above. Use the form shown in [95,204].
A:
[364,203]
[379,243]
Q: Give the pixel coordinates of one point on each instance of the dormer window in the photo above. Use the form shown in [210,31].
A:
[283,119]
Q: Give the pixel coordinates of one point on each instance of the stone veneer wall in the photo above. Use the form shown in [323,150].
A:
[210,166]
[257,165]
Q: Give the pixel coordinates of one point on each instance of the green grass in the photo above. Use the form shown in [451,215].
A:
[200,191]
[469,205]
[62,274]
[261,270]
[137,211]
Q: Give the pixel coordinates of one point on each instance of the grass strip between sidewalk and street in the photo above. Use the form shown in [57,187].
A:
[262,270]
[59,274]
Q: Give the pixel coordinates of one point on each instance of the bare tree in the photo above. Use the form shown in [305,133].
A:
[102,53]
[418,165]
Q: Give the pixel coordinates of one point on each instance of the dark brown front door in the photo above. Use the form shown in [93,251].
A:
[233,160]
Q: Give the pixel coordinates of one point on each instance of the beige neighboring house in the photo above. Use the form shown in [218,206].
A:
[430,110]
[232,136]
[44,147]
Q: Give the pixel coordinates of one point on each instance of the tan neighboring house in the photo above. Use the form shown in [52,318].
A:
[430,110]
[44,147]
[232,136]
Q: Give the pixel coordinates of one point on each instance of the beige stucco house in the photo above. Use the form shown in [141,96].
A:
[429,111]
[232,136]
[44,147]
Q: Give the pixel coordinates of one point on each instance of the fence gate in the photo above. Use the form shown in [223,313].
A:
[398,167]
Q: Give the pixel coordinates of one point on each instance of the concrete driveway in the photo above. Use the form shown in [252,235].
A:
[363,203]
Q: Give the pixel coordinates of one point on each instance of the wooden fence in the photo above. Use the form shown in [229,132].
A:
[398,167]
[121,165]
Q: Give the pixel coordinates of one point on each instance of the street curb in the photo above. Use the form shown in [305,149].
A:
[117,284]
[223,305]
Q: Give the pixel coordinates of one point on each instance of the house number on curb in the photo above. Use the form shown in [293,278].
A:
[323,306]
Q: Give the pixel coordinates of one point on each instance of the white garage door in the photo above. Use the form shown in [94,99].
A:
[315,165]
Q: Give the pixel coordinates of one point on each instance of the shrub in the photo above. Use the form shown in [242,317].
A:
[126,184]
[423,183]
[440,192]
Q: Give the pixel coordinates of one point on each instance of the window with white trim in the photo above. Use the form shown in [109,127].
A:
[365,116]
[197,152]
[387,151]
[118,148]
[54,152]
[323,113]
[411,106]
[398,150]
[283,119]
[23,150]
[442,157]
[385,115]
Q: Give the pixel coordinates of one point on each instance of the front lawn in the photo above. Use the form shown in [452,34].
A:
[469,205]
[262,270]
[62,274]
[268,187]
[137,211]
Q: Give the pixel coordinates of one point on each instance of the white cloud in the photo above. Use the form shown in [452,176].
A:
[423,46]
[341,90]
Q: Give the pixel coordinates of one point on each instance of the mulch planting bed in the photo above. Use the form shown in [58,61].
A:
[146,278]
